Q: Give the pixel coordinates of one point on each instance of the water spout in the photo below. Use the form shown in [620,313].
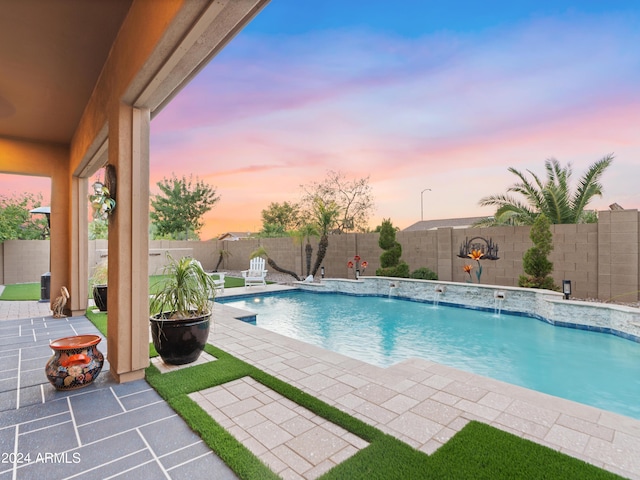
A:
[498,301]
[439,290]
[393,287]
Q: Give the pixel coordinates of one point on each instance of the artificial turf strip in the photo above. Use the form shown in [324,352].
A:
[477,451]
[31,291]
[21,291]
[490,453]
[232,282]
[99,319]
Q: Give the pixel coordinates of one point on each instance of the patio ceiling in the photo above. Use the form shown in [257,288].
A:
[51,55]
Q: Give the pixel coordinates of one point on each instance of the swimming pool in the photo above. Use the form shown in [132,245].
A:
[592,368]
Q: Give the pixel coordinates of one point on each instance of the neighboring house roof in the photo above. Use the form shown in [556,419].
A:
[443,223]
[233,236]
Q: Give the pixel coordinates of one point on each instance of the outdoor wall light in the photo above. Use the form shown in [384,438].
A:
[103,200]
[357,274]
[566,288]
[322,272]
[97,188]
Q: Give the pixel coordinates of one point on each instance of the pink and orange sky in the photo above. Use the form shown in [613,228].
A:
[411,95]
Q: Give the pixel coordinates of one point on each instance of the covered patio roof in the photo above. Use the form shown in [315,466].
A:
[80,83]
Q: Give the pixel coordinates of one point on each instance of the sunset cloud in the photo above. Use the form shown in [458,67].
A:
[446,110]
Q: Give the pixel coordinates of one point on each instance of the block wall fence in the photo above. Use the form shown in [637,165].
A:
[601,260]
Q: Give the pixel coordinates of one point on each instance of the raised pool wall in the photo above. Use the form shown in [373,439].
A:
[545,305]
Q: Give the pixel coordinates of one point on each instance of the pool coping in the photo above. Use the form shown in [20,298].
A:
[545,305]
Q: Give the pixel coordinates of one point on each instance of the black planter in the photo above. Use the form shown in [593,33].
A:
[180,341]
[100,297]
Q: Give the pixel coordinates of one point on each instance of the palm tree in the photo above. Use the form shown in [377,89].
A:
[552,197]
[305,232]
[326,215]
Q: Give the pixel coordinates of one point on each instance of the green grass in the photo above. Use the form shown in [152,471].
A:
[31,291]
[21,291]
[478,451]
[155,281]
[232,282]
[99,319]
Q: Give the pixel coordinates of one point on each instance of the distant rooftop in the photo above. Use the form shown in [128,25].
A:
[234,235]
[443,223]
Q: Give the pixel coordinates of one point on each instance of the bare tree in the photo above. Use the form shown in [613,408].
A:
[352,197]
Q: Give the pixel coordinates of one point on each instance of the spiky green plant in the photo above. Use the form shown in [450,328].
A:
[185,291]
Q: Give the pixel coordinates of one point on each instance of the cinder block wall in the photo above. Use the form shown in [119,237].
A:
[25,260]
[618,263]
[602,260]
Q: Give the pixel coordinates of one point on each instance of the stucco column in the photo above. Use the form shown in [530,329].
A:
[61,244]
[79,241]
[128,293]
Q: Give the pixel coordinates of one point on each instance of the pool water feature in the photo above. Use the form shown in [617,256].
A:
[597,369]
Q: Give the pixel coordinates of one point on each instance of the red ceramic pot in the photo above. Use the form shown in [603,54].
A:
[76,362]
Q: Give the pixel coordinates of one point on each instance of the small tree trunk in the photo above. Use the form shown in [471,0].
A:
[273,265]
[308,250]
[219,262]
[322,251]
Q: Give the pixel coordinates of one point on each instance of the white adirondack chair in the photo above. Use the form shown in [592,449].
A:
[219,282]
[256,274]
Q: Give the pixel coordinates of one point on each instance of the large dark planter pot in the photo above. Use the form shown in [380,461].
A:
[100,297]
[179,341]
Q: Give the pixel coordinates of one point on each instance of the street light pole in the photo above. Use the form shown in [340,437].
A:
[422,204]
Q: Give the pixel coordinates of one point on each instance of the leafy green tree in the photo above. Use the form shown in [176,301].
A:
[99,229]
[353,198]
[552,197]
[285,215]
[535,260]
[272,230]
[16,221]
[390,263]
[178,209]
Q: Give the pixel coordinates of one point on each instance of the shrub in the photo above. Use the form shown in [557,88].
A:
[424,273]
[535,261]
[401,270]
[391,257]
[390,263]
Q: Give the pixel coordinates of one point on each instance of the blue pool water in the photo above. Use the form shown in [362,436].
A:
[593,368]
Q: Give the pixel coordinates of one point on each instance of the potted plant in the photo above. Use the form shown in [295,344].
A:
[180,311]
[99,285]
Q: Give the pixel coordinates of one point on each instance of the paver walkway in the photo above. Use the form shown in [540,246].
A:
[291,440]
